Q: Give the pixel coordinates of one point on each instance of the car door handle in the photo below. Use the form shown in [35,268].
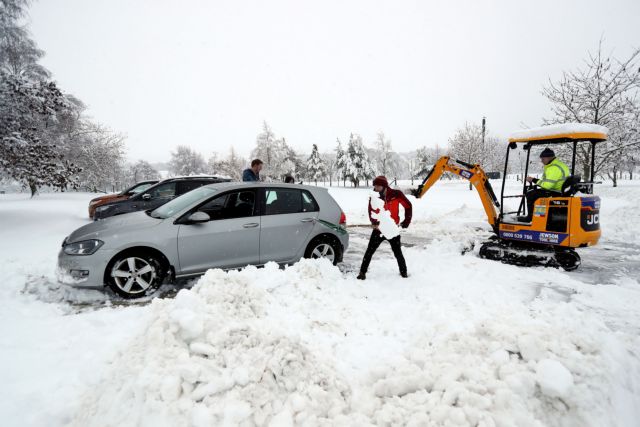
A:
[307,220]
[251,225]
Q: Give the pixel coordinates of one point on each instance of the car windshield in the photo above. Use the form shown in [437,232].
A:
[136,188]
[140,188]
[180,203]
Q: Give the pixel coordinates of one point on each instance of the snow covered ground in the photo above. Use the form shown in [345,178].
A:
[462,341]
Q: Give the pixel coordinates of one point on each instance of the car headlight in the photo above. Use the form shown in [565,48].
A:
[85,247]
[102,208]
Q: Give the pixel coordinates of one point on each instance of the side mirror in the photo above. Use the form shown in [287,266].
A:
[146,197]
[198,218]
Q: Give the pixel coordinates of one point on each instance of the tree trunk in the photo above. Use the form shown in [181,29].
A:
[614,177]
[33,188]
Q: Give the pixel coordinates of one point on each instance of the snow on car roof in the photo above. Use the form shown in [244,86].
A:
[565,131]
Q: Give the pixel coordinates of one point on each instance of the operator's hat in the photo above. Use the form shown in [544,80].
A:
[547,152]
[381,180]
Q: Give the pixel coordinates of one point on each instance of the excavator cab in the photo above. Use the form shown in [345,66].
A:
[560,223]
[569,218]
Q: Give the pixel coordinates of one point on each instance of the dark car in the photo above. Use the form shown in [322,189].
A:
[116,197]
[156,195]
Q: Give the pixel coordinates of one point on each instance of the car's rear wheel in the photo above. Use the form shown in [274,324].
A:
[135,274]
[324,247]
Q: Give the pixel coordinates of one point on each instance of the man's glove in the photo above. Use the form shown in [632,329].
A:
[404,224]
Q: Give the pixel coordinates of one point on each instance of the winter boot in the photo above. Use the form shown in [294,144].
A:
[362,276]
[404,274]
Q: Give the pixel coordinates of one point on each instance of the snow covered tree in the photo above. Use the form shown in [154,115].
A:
[186,161]
[357,164]
[341,163]
[604,92]
[330,164]
[142,171]
[230,167]
[383,153]
[28,111]
[19,54]
[278,157]
[44,139]
[316,169]
[96,149]
[467,145]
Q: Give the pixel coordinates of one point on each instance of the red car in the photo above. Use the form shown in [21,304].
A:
[123,195]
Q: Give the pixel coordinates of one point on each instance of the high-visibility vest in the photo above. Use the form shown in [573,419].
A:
[555,173]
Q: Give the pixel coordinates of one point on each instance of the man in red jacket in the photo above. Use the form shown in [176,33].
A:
[392,201]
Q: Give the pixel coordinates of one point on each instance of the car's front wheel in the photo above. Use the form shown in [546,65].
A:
[135,274]
[324,247]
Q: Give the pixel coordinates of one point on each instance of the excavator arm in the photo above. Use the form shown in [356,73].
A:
[474,174]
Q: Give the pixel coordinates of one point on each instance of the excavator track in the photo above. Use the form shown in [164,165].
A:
[527,255]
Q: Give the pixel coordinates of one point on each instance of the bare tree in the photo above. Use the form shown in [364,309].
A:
[604,92]
[466,145]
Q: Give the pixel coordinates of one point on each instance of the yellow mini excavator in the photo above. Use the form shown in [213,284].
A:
[560,223]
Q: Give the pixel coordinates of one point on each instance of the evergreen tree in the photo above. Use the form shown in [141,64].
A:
[315,166]
[357,164]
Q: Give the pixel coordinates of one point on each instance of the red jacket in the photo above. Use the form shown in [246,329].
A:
[392,200]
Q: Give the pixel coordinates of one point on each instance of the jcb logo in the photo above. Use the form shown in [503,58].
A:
[593,219]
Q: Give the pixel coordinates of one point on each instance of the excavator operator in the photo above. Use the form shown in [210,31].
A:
[554,175]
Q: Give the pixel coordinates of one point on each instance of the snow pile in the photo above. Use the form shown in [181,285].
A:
[388,227]
[503,371]
[303,346]
[560,129]
[212,356]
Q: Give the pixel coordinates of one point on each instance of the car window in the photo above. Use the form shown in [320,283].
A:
[280,201]
[309,204]
[237,204]
[163,191]
[186,186]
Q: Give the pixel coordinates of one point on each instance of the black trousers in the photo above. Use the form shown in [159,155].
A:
[374,242]
[534,195]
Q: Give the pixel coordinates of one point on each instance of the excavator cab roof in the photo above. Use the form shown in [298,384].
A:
[555,134]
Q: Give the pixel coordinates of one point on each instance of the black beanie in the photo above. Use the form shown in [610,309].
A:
[547,152]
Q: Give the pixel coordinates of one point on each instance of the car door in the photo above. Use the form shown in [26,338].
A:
[230,239]
[288,217]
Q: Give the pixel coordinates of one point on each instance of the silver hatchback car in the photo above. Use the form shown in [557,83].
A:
[225,225]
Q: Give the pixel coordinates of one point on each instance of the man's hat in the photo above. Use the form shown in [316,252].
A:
[547,152]
[380,180]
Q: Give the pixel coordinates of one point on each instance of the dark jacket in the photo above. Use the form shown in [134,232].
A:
[249,175]
[392,201]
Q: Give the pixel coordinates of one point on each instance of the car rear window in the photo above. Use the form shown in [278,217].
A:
[280,201]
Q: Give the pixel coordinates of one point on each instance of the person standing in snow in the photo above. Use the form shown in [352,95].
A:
[392,201]
[252,173]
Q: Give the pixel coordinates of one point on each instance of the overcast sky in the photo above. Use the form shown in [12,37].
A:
[207,73]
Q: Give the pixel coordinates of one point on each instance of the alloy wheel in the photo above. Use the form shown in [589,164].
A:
[323,250]
[133,275]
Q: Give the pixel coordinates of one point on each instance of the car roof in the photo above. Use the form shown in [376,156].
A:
[195,178]
[232,185]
